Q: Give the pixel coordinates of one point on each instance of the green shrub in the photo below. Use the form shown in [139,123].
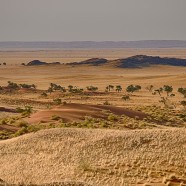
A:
[112,117]
[22,124]
[126,97]
[106,103]
[25,111]
[44,94]
[21,131]
[57,101]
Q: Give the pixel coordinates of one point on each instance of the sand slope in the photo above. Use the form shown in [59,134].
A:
[97,157]
[76,112]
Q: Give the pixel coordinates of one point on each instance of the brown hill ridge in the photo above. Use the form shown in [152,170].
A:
[136,61]
[92,61]
[145,61]
[38,62]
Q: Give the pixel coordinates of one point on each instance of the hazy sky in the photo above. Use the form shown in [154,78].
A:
[92,20]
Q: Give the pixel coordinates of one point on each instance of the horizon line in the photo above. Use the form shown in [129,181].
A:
[100,41]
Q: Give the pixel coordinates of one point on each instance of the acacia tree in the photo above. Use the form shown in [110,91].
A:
[118,88]
[92,88]
[70,87]
[28,86]
[12,85]
[50,90]
[109,88]
[133,88]
[182,91]
[159,91]
[150,88]
[55,87]
[168,89]
[74,89]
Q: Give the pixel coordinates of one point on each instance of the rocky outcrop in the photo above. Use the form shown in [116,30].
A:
[92,61]
[145,61]
[38,62]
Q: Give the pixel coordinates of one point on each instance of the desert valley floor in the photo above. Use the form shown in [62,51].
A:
[80,125]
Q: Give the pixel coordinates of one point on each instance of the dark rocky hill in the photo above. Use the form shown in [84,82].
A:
[38,62]
[145,61]
[92,61]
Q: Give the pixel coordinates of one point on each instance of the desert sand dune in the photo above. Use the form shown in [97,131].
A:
[75,112]
[96,157]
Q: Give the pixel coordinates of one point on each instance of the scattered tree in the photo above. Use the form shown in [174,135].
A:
[159,91]
[168,89]
[55,87]
[70,87]
[109,88]
[12,85]
[118,88]
[28,86]
[133,88]
[182,91]
[57,101]
[92,88]
[50,90]
[150,88]
[25,111]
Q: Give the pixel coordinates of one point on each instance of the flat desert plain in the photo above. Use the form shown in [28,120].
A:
[72,128]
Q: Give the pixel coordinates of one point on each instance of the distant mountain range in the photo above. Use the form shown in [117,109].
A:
[137,61]
[93,44]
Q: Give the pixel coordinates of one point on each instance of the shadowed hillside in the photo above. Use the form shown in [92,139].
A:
[145,61]
[92,61]
[38,62]
[137,61]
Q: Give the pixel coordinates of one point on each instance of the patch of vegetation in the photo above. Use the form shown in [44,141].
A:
[113,117]
[25,112]
[182,91]
[56,118]
[125,97]
[44,94]
[168,89]
[162,116]
[118,88]
[133,88]
[55,87]
[12,85]
[106,103]
[92,88]
[5,135]
[27,86]
[109,88]
[57,101]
